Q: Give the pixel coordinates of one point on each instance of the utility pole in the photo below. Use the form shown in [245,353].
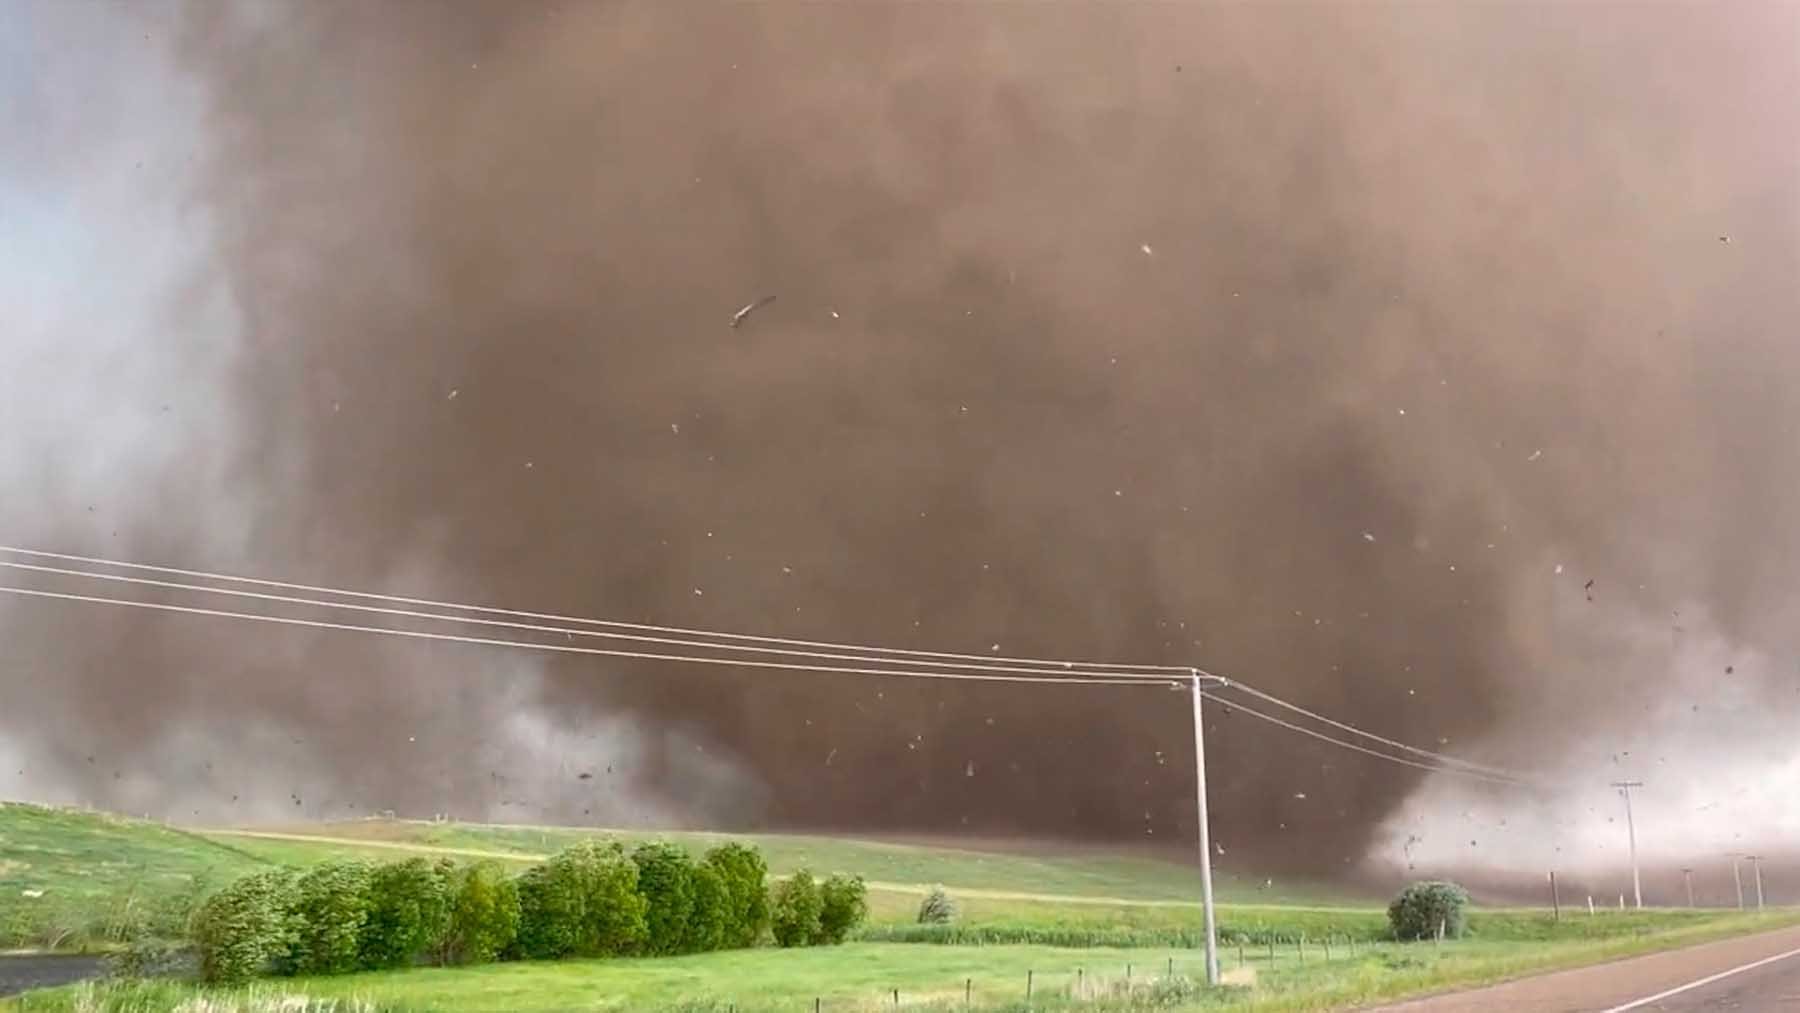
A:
[1687,877]
[1206,884]
[1756,864]
[1738,878]
[1637,886]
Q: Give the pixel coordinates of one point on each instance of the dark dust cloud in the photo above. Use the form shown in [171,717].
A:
[1302,343]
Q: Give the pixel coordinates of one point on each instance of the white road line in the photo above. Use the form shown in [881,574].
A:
[1658,997]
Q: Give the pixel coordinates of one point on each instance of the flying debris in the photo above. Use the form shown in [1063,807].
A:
[1148,252]
[738,317]
[1589,588]
[1536,454]
[1368,536]
[586,775]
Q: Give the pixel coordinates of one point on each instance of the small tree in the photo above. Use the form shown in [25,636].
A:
[744,875]
[245,927]
[712,909]
[938,908]
[409,910]
[483,917]
[665,879]
[794,910]
[843,904]
[331,907]
[1421,908]
[582,902]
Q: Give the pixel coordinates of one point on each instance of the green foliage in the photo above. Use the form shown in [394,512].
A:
[665,879]
[330,910]
[712,910]
[484,915]
[794,910]
[937,908]
[1421,908]
[843,906]
[243,928]
[409,910]
[744,875]
[581,902]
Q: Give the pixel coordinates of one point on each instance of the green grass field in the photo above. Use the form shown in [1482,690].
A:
[862,977]
[76,879]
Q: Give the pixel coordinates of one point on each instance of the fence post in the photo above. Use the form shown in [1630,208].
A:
[1300,944]
[1171,973]
[968,990]
[1271,950]
[1027,985]
[1555,901]
[1240,953]
[1328,947]
[896,998]
[1080,983]
[1127,976]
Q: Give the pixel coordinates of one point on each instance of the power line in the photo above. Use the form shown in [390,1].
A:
[1321,736]
[1107,680]
[539,628]
[1441,758]
[605,623]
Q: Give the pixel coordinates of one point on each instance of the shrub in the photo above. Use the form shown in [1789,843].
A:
[712,909]
[843,904]
[794,910]
[409,911]
[665,879]
[1420,908]
[583,901]
[331,907]
[241,929]
[744,876]
[153,958]
[483,917]
[938,908]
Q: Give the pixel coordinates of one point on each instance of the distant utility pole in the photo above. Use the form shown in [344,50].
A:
[1738,878]
[1687,877]
[1206,884]
[1637,886]
[1756,864]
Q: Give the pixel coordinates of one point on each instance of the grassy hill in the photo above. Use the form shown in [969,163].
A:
[1104,875]
[69,876]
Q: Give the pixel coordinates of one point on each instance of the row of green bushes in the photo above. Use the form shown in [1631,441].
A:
[591,900]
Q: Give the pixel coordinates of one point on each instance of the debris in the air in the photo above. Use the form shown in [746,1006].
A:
[1368,536]
[698,593]
[1589,588]
[1535,455]
[969,771]
[996,647]
[834,315]
[1402,411]
[1724,239]
[1148,252]
[586,775]
[1559,568]
[1300,794]
[453,392]
[738,317]
[675,427]
[1728,669]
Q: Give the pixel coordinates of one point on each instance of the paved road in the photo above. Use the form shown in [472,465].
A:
[21,972]
[1749,973]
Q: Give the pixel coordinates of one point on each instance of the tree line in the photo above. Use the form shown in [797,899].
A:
[591,900]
